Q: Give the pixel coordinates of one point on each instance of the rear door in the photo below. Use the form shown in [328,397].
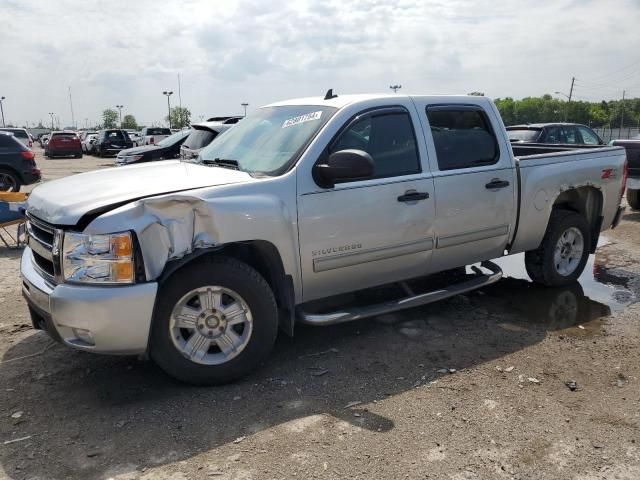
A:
[474,184]
[362,233]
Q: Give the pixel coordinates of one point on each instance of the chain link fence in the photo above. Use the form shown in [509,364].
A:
[608,134]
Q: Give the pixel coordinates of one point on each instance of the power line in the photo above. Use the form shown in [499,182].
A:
[619,70]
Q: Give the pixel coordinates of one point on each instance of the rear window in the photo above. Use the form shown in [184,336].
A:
[199,138]
[65,134]
[17,132]
[8,141]
[111,135]
[158,131]
[524,135]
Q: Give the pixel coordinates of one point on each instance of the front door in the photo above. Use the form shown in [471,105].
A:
[474,186]
[363,233]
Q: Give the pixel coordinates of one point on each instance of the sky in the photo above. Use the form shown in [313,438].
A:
[259,51]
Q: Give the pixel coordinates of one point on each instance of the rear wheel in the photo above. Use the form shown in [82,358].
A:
[633,199]
[216,321]
[9,181]
[563,253]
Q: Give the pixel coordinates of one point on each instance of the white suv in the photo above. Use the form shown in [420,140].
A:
[21,134]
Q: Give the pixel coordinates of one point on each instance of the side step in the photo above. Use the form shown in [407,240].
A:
[356,313]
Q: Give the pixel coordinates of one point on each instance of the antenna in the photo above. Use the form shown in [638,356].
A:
[329,95]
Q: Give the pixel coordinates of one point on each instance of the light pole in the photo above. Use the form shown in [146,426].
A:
[120,107]
[245,105]
[2,110]
[51,113]
[168,94]
[395,88]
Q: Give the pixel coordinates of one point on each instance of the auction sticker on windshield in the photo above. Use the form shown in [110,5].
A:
[302,118]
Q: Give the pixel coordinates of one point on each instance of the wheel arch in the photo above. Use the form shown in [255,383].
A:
[588,202]
[11,169]
[264,257]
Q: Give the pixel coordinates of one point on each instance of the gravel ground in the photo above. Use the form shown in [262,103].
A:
[469,388]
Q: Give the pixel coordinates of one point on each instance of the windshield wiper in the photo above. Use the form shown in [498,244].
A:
[223,162]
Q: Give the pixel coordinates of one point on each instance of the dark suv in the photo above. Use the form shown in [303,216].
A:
[554,133]
[111,141]
[17,164]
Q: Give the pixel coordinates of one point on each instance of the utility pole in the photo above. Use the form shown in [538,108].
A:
[566,116]
[168,94]
[622,114]
[120,107]
[73,120]
[395,88]
[2,110]
[245,105]
[51,113]
[180,103]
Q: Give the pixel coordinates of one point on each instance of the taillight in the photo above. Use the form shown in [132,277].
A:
[30,144]
[27,154]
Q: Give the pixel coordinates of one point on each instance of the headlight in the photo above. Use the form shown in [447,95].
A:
[98,258]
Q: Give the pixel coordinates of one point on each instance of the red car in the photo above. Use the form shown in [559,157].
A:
[63,144]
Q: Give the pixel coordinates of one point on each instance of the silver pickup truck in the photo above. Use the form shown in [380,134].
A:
[293,212]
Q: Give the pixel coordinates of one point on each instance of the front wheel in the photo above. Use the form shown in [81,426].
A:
[216,321]
[633,199]
[561,257]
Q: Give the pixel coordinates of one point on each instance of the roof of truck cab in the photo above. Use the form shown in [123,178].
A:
[341,101]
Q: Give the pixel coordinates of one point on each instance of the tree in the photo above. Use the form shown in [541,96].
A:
[109,118]
[129,121]
[180,117]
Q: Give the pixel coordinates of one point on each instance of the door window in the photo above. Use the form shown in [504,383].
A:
[554,135]
[570,135]
[389,139]
[463,137]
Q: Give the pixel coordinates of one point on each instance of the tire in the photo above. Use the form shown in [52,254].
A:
[79,155]
[633,199]
[209,364]
[9,181]
[548,267]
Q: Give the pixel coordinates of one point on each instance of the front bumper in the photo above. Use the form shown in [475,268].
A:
[117,317]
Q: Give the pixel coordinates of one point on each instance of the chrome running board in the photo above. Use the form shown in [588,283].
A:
[356,313]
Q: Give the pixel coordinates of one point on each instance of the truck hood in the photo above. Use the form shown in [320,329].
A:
[66,201]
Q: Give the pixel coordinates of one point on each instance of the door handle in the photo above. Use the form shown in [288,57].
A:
[413,196]
[496,183]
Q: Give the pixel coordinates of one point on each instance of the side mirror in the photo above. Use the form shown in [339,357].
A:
[348,164]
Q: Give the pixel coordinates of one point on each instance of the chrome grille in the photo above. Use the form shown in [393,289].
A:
[42,238]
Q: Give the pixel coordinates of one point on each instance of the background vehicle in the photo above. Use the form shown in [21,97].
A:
[111,142]
[88,143]
[63,144]
[632,148]
[21,134]
[44,139]
[166,149]
[135,138]
[554,133]
[302,201]
[201,136]
[151,135]
[17,164]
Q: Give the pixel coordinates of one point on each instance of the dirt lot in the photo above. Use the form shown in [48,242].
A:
[470,388]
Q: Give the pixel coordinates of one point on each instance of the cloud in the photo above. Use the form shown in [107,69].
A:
[232,51]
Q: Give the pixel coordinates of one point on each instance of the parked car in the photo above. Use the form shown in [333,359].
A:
[554,133]
[151,135]
[200,264]
[44,139]
[166,149]
[135,138]
[202,134]
[63,144]
[632,147]
[21,134]
[111,142]
[89,142]
[17,164]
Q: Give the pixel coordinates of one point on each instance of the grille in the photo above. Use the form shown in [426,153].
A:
[42,239]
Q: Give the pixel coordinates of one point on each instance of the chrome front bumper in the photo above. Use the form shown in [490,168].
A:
[118,318]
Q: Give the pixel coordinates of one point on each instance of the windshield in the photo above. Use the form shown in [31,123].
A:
[200,137]
[525,135]
[267,140]
[172,139]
